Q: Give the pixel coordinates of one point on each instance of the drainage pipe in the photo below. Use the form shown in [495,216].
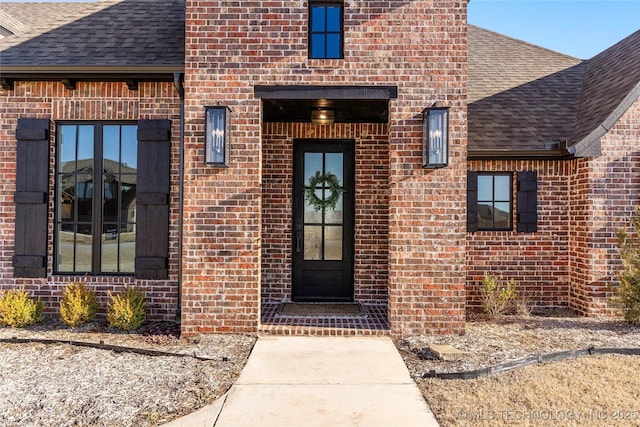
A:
[178,82]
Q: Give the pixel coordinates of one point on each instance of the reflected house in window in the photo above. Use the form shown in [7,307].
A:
[126,187]
[77,189]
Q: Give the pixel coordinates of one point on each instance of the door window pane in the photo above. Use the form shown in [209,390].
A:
[334,165]
[311,214]
[312,165]
[333,216]
[312,242]
[333,243]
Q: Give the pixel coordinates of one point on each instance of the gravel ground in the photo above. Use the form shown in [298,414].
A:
[585,391]
[67,385]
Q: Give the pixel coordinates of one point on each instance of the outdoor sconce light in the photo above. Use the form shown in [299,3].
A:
[217,136]
[435,137]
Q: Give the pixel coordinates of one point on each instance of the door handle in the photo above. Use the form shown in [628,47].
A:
[298,241]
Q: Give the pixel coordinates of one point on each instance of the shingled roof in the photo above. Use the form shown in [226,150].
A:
[19,18]
[524,100]
[107,35]
[528,101]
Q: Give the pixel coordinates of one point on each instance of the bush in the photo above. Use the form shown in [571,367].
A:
[18,309]
[627,294]
[498,297]
[127,310]
[78,304]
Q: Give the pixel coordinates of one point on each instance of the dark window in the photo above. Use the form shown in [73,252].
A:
[494,202]
[325,30]
[96,179]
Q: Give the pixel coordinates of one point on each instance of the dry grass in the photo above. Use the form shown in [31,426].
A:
[600,390]
[586,391]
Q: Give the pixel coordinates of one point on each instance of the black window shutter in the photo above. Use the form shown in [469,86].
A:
[152,199]
[527,202]
[472,201]
[31,198]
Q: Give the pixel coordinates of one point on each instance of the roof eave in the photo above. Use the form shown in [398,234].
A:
[507,154]
[87,70]
[590,145]
[70,74]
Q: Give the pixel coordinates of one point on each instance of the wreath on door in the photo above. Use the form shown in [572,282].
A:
[328,181]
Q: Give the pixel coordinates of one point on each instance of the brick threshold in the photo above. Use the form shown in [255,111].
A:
[374,323]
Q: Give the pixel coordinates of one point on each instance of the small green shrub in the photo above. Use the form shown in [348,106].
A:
[498,297]
[18,309]
[127,310]
[78,304]
[626,296]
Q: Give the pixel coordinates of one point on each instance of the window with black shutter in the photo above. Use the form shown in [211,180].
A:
[490,204]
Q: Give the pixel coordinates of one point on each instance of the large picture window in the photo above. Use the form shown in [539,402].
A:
[325,30]
[96,178]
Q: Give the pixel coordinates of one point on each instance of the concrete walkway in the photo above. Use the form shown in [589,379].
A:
[319,381]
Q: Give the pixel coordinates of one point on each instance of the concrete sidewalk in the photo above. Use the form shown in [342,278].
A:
[319,381]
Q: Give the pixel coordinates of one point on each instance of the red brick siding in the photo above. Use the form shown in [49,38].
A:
[371,220]
[605,190]
[89,101]
[538,261]
[419,46]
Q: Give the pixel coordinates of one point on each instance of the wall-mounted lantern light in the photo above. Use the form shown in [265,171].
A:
[217,136]
[435,137]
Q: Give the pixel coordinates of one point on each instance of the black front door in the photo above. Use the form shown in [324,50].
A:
[323,220]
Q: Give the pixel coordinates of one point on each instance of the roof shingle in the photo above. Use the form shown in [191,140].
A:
[524,97]
[111,33]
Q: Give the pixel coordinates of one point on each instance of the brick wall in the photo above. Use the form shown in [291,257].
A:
[538,261]
[572,260]
[418,46]
[89,101]
[604,192]
[371,216]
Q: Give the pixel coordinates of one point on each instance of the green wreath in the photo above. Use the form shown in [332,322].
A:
[328,181]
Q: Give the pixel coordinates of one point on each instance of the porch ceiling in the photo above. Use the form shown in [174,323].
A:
[346,110]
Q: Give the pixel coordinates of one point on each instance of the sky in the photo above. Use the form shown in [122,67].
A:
[580,28]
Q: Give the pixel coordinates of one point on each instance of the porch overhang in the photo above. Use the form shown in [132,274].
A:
[352,104]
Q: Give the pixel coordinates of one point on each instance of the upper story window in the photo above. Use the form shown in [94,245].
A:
[96,179]
[326,31]
[494,202]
